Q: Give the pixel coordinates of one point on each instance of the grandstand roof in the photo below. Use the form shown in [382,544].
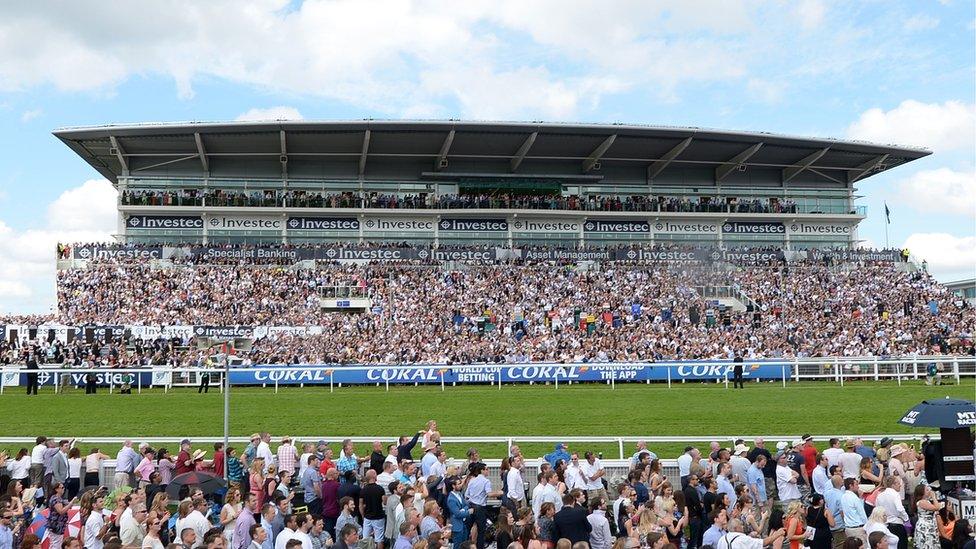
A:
[382,149]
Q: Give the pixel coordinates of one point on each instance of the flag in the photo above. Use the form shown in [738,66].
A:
[887,213]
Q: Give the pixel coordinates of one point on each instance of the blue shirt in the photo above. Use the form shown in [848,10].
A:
[712,535]
[425,464]
[127,460]
[6,538]
[755,479]
[477,492]
[347,463]
[725,487]
[853,508]
[310,478]
[832,501]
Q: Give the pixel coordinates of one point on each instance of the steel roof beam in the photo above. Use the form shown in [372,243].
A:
[523,150]
[362,155]
[120,154]
[724,169]
[202,151]
[445,148]
[866,168]
[592,160]
[658,166]
[807,161]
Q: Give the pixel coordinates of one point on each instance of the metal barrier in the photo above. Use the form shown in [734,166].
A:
[840,370]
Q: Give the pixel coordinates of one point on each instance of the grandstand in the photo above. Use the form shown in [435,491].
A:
[466,243]
[456,183]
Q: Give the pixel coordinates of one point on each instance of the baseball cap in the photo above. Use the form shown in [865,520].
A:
[807,437]
[184,441]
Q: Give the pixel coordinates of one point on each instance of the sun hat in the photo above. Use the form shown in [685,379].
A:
[739,448]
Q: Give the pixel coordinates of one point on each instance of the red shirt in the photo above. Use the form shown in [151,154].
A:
[218,463]
[181,466]
[809,453]
[325,466]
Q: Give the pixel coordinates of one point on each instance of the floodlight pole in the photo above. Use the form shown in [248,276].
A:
[226,417]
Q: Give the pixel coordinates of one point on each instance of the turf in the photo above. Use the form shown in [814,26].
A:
[631,410]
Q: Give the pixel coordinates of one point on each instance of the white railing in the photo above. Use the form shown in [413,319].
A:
[836,369]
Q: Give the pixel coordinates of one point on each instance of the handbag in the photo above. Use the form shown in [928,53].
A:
[872,498]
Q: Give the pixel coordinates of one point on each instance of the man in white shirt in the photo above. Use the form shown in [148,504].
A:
[197,520]
[131,529]
[264,451]
[95,527]
[573,474]
[786,480]
[37,461]
[735,539]
[439,468]
[304,522]
[593,472]
[546,491]
[890,500]
[820,479]
[600,536]
[516,487]
[684,466]
[386,477]
[850,461]
[833,452]
[287,533]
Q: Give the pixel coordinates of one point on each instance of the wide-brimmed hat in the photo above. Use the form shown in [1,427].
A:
[198,454]
[898,450]
[781,445]
[739,448]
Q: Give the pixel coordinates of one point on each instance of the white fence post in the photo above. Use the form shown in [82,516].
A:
[796,370]
[876,368]
[276,386]
[669,377]
[331,381]
[898,373]
[840,372]
[915,368]
[620,445]
[782,371]
[138,383]
[955,369]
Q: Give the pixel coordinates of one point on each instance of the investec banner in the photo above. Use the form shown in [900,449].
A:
[473,225]
[371,254]
[160,222]
[607,226]
[116,252]
[753,227]
[686,227]
[545,226]
[566,255]
[323,224]
[245,222]
[662,256]
[536,373]
[223,331]
[13,378]
[820,229]
[408,224]
[216,252]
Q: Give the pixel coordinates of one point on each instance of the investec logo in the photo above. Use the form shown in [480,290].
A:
[232,223]
[163,222]
[807,228]
[323,224]
[684,227]
[753,228]
[545,226]
[599,226]
[473,225]
[380,224]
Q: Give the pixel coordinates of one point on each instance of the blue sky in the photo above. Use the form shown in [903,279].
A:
[890,72]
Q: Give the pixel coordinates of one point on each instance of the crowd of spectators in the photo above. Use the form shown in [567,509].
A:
[477,313]
[409,494]
[506,201]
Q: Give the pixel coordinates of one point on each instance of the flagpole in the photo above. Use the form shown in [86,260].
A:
[886,235]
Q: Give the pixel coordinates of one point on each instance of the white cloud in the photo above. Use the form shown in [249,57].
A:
[31,114]
[811,13]
[86,213]
[546,59]
[942,190]
[921,22]
[271,113]
[948,256]
[940,127]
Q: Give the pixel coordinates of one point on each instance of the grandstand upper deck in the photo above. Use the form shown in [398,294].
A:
[457,183]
